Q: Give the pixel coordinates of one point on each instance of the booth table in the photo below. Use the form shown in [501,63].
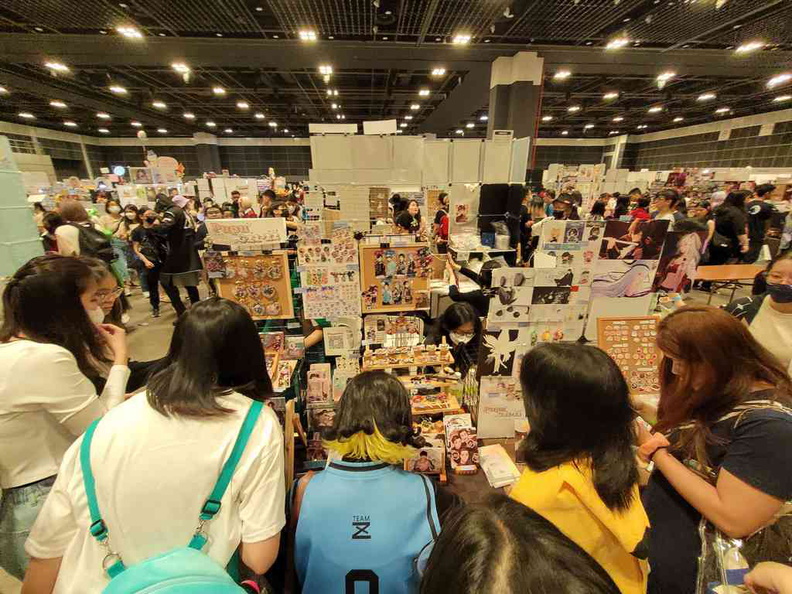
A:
[473,488]
[728,276]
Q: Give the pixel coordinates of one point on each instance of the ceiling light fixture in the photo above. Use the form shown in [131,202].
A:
[612,132]
[664,77]
[438,72]
[588,126]
[211,124]
[723,110]
[749,46]
[334,106]
[779,80]
[403,125]
[259,115]
[135,124]
[679,119]
[243,105]
[617,43]
[469,125]
[415,107]
[159,104]
[70,124]
[130,32]
[641,127]
[408,117]
[26,115]
[484,118]
[781,98]
[285,130]
[188,115]
[103,131]
[423,92]
[229,130]
[181,67]
[460,131]
[332,92]
[273,125]
[706,97]
[610,95]
[102,115]
[461,39]
[564,132]
[58,104]
[3,91]
[547,118]
[573,108]
[56,66]
[562,75]
[118,90]
[307,35]
[325,69]
[618,119]
[656,109]
[162,130]
[219,91]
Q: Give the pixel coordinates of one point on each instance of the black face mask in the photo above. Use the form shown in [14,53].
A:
[151,220]
[559,214]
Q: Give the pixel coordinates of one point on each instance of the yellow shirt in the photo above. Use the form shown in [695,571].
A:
[565,496]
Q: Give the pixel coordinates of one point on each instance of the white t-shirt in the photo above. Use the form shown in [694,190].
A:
[153,474]
[45,404]
[773,330]
[68,237]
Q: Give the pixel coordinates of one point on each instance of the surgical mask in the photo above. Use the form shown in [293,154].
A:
[114,209]
[460,338]
[780,293]
[131,216]
[558,214]
[96,316]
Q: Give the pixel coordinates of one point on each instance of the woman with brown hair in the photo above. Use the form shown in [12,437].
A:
[723,407]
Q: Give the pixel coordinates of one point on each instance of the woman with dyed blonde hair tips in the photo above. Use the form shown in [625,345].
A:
[364,520]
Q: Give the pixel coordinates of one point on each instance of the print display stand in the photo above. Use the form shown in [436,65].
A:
[395,278]
[630,341]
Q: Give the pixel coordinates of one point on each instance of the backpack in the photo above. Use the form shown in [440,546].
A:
[94,243]
[179,571]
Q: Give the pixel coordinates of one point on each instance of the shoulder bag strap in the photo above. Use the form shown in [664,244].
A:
[112,562]
[212,505]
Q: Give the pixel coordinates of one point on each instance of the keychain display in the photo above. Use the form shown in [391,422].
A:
[259,283]
[631,343]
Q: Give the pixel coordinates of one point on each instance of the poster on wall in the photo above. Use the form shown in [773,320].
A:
[464,207]
[681,255]
[378,202]
[259,283]
[395,278]
[246,234]
[141,175]
[636,240]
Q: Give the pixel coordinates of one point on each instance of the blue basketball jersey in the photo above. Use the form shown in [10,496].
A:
[361,527]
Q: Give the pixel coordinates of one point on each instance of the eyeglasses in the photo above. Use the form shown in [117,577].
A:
[109,295]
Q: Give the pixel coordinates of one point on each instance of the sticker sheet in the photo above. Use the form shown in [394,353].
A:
[395,278]
[319,387]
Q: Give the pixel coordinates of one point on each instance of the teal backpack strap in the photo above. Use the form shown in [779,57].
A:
[112,563]
[212,505]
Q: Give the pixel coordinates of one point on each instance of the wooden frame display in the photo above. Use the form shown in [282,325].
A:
[395,278]
[259,283]
[631,342]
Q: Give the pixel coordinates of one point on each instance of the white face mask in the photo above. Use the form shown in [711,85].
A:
[96,316]
[460,338]
[131,216]
[114,209]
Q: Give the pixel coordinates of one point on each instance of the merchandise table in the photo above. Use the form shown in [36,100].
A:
[728,276]
[473,488]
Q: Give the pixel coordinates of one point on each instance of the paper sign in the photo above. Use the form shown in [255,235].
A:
[246,234]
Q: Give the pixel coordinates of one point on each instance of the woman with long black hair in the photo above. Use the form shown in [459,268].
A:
[50,344]
[581,472]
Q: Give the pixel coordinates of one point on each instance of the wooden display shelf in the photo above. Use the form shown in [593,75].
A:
[452,407]
[438,361]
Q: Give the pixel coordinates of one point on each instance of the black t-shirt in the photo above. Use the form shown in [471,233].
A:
[758,452]
[439,216]
[730,222]
[759,212]
[151,244]
[408,222]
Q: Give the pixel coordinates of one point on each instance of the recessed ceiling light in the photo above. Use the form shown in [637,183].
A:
[211,124]
[573,108]
[781,98]
[3,91]
[486,41]
[484,117]
[438,39]
[118,90]
[564,132]
[180,67]
[403,125]
[408,117]
[229,130]
[307,35]
[618,119]
[706,97]
[779,80]
[102,115]
[273,124]
[162,130]
[438,71]
[259,9]
[219,91]
[188,115]
[58,104]
[330,37]
[243,105]
[749,46]
[617,43]
[159,104]
[388,12]
[332,92]
[26,115]
[656,109]
[415,107]
[562,75]
[423,92]
[103,32]
[460,131]
[723,110]
[259,115]
[276,36]
[135,124]
[334,106]
[610,95]
[547,118]
[130,32]
[469,125]
[384,39]
[589,43]
[612,132]
[56,66]
[39,29]
[626,20]
[461,39]
[325,69]
[397,132]
[123,5]
[588,126]
[218,34]
[679,119]
[103,130]
[641,127]
[664,77]
[70,124]
[285,130]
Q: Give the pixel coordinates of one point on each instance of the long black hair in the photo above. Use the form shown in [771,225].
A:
[622,206]
[456,315]
[215,348]
[578,404]
[42,303]
[737,199]
[375,399]
[500,546]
